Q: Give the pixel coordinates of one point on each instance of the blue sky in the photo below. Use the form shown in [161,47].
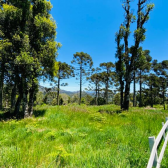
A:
[90,26]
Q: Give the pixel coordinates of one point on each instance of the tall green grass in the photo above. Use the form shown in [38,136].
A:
[76,136]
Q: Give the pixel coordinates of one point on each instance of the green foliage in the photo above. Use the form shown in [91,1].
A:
[101,101]
[65,71]
[65,98]
[96,79]
[140,34]
[107,76]
[84,64]
[83,59]
[75,98]
[88,99]
[117,99]
[83,100]
[128,56]
[39,98]
[54,102]
[28,30]
[49,97]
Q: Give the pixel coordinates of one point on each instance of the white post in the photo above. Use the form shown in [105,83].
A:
[164,132]
[166,121]
[151,143]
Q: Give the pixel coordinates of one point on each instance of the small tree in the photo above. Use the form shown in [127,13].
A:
[143,66]
[161,71]
[107,76]
[95,79]
[152,81]
[84,63]
[64,72]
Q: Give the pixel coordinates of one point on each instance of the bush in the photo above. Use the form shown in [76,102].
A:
[117,99]
[83,100]
[101,101]
[54,102]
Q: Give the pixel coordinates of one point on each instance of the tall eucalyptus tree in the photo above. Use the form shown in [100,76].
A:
[130,52]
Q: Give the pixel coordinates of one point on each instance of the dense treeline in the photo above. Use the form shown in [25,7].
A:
[28,52]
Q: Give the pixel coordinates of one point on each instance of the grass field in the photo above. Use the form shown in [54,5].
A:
[81,137]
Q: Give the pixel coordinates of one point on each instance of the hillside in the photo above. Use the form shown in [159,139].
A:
[80,136]
[69,93]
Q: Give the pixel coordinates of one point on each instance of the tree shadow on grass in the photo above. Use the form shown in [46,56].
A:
[6,116]
[39,113]
[110,111]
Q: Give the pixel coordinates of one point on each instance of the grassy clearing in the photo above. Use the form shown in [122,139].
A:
[79,136]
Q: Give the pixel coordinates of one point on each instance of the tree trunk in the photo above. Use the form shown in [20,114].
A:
[107,94]
[163,98]
[58,90]
[17,106]
[128,78]
[31,98]
[134,96]
[127,97]
[107,86]
[151,94]
[140,90]
[24,93]
[127,92]
[1,86]
[31,102]
[121,93]
[1,95]
[96,92]
[13,96]
[80,96]
[25,105]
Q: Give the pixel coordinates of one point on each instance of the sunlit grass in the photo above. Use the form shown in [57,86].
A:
[76,136]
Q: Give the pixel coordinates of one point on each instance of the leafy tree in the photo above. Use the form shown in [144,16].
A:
[84,63]
[117,99]
[9,21]
[28,32]
[120,68]
[64,72]
[161,71]
[130,54]
[95,79]
[39,98]
[152,81]
[107,76]
[88,99]
[75,98]
[143,66]
[101,101]
[43,45]
[49,97]
[65,98]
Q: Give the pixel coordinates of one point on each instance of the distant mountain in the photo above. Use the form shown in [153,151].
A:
[41,89]
[70,93]
[54,89]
